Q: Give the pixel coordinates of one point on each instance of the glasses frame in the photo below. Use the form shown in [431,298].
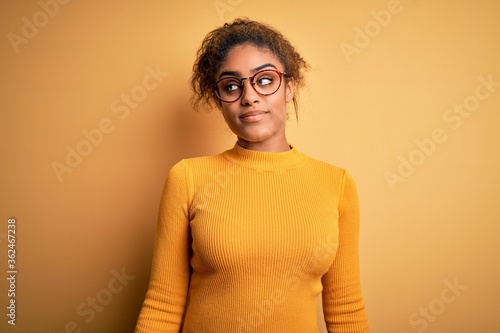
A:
[252,83]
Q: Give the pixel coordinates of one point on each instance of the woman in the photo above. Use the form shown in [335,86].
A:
[248,239]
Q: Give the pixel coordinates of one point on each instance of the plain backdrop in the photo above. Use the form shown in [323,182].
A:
[94,110]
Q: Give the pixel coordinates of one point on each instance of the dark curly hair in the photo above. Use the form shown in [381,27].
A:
[217,44]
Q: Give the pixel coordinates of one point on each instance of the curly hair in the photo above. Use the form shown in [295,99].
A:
[217,44]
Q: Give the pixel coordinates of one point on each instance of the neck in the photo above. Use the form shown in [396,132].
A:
[265,161]
[265,146]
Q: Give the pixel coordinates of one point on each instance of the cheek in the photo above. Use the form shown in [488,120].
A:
[279,104]
[229,116]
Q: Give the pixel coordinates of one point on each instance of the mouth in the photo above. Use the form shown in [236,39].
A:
[253,116]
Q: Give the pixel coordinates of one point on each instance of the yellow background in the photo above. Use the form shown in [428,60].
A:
[363,111]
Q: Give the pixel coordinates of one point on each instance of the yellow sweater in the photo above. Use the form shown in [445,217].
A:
[247,240]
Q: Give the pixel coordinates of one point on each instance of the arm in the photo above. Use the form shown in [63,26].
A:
[343,305]
[163,308]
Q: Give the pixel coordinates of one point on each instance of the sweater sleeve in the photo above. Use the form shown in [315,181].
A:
[343,304]
[163,307]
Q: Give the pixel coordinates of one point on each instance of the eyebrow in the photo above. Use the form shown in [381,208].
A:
[256,69]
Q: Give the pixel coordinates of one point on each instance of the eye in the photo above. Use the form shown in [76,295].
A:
[264,80]
[230,87]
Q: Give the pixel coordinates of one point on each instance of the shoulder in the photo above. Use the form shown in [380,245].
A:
[337,178]
[198,164]
[327,168]
[195,166]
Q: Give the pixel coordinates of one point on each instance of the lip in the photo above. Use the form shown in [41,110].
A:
[253,116]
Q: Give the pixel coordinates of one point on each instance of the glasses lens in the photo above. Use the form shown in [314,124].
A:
[229,89]
[267,82]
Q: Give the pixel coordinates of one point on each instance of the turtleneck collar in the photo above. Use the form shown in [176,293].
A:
[265,161]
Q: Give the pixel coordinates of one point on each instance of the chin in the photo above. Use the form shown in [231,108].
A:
[255,136]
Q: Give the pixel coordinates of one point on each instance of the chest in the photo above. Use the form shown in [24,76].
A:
[264,221]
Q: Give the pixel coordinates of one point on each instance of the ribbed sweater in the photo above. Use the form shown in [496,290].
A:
[247,240]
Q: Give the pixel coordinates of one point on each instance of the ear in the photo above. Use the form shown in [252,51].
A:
[289,89]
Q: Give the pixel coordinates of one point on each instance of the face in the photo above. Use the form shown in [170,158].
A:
[258,121]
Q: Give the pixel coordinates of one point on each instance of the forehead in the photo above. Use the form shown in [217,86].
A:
[246,57]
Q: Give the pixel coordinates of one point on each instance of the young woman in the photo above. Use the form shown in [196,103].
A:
[248,239]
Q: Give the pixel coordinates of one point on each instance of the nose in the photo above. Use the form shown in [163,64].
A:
[249,95]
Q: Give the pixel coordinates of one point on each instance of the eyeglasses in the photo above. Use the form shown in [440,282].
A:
[265,83]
